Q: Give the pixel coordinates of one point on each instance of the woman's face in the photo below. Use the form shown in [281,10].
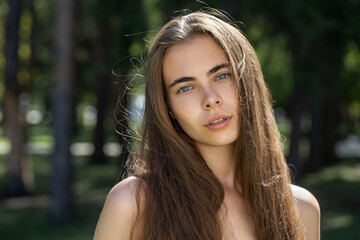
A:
[200,91]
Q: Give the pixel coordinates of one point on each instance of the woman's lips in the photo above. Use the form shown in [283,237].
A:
[218,122]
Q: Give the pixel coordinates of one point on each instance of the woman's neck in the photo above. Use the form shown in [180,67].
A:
[221,161]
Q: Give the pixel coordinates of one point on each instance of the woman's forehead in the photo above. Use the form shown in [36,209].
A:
[194,56]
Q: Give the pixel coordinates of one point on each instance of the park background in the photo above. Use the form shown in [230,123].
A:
[63,64]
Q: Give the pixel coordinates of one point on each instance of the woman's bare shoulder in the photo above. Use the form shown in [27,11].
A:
[119,211]
[124,192]
[309,211]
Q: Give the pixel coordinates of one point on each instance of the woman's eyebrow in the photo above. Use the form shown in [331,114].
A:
[217,68]
[180,80]
[188,79]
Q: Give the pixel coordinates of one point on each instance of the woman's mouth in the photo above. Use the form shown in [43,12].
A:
[218,122]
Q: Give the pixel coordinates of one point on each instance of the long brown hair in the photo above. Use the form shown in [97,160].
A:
[179,197]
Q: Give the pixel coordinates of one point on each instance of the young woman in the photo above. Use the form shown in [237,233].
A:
[211,164]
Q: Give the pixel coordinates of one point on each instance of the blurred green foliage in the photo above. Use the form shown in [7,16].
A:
[134,23]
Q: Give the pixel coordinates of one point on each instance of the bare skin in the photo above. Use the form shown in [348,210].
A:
[200,90]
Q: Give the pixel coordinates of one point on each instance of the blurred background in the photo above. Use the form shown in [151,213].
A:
[63,64]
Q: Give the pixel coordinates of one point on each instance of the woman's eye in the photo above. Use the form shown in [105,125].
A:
[184,89]
[222,76]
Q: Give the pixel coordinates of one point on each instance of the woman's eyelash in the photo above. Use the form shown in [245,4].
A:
[184,89]
[222,76]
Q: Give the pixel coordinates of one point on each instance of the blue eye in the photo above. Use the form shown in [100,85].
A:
[184,89]
[222,76]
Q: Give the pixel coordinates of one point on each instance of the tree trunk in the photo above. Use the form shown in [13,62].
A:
[103,72]
[297,107]
[316,141]
[61,198]
[322,148]
[18,180]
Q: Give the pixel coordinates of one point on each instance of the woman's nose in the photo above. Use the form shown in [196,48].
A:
[211,98]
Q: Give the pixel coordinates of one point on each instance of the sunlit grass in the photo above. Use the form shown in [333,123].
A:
[40,133]
[345,172]
[337,221]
